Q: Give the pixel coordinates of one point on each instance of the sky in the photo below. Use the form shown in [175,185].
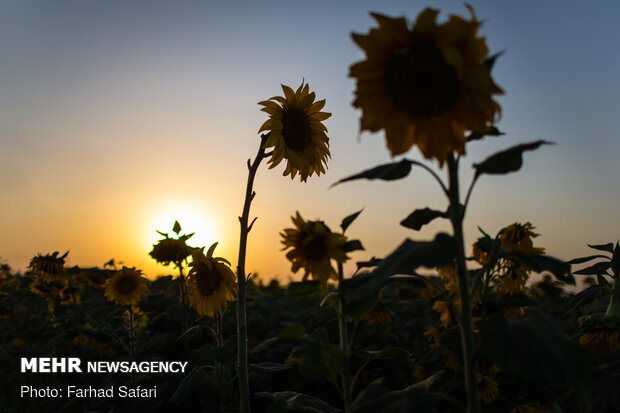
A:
[118,117]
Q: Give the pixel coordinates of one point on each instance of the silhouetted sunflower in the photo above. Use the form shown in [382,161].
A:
[313,246]
[211,282]
[296,132]
[169,250]
[520,236]
[50,267]
[127,287]
[426,85]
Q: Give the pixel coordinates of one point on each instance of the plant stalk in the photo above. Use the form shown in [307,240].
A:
[465,319]
[242,326]
[344,341]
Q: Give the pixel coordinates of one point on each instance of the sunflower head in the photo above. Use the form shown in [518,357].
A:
[296,132]
[169,250]
[50,267]
[520,236]
[126,287]
[210,282]
[425,85]
[312,247]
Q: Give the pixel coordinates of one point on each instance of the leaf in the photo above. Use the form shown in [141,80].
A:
[595,269]
[303,288]
[615,261]
[536,350]
[420,217]
[292,332]
[298,401]
[387,353]
[489,62]
[348,220]
[269,367]
[404,260]
[386,172]
[322,359]
[586,259]
[609,247]
[193,381]
[508,160]
[177,227]
[540,263]
[605,285]
[492,131]
[585,297]
[353,245]
[373,262]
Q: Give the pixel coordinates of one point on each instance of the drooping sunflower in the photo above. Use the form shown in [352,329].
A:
[127,287]
[211,283]
[520,236]
[50,267]
[426,85]
[313,246]
[296,132]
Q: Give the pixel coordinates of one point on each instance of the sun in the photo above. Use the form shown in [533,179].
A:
[192,217]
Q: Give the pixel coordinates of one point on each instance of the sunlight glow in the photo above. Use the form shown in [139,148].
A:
[191,216]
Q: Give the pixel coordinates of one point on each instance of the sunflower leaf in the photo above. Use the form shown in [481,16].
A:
[506,161]
[586,259]
[598,268]
[349,220]
[353,245]
[404,260]
[615,260]
[177,227]
[385,172]
[373,262]
[490,61]
[420,217]
[492,131]
[609,247]
[605,285]
[541,263]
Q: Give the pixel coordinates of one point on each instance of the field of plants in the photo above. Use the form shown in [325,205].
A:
[435,326]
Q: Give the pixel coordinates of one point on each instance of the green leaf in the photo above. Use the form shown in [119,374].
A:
[385,172]
[193,381]
[609,247]
[387,353]
[348,220]
[269,367]
[292,332]
[508,160]
[585,297]
[420,217]
[404,260]
[177,227]
[297,401]
[322,359]
[536,350]
[605,285]
[353,245]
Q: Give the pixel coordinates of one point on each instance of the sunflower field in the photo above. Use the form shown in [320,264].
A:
[434,326]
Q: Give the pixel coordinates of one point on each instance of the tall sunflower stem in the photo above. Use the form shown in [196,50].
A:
[465,319]
[344,341]
[220,366]
[242,327]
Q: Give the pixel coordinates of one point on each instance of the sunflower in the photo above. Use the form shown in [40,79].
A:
[211,282]
[296,132]
[426,85]
[313,246]
[50,267]
[520,236]
[127,287]
[169,250]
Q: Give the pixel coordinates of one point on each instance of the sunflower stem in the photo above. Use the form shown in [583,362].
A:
[220,366]
[344,341]
[131,331]
[242,327]
[465,319]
